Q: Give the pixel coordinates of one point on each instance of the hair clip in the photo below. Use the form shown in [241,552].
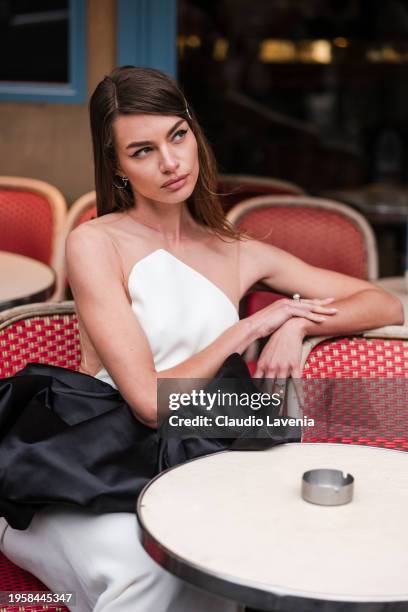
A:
[188,113]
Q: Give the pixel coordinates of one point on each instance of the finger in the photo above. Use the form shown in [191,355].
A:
[279,383]
[268,385]
[282,372]
[280,388]
[317,308]
[259,373]
[315,317]
[325,309]
[270,372]
[313,308]
[265,355]
[295,372]
[270,376]
[319,301]
[298,309]
[308,315]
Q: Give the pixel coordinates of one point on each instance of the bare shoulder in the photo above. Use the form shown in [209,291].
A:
[95,233]
[85,239]
[253,252]
[90,252]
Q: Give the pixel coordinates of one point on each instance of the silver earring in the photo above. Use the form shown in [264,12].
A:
[124,180]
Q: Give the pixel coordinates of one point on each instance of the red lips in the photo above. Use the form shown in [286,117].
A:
[175,180]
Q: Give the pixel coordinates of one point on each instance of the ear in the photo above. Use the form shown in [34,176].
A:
[118,170]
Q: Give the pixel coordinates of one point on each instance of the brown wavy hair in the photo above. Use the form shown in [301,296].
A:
[129,90]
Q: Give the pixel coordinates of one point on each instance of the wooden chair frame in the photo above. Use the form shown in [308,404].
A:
[238,211]
[12,315]
[80,206]
[246,179]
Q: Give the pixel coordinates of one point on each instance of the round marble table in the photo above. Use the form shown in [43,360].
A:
[23,280]
[234,523]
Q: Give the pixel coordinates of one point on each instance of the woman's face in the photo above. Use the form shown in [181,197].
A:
[158,154]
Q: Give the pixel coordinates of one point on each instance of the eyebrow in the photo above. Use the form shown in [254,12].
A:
[143,143]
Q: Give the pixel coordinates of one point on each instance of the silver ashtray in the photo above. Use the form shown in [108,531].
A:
[327,487]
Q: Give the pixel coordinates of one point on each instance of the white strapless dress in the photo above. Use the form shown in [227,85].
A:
[180,310]
[100,558]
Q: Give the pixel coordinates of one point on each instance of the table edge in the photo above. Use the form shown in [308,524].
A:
[250,593]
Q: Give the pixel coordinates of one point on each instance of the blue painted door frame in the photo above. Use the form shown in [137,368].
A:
[146,34]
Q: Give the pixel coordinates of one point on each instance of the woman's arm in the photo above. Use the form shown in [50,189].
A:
[98,286]
[360,304]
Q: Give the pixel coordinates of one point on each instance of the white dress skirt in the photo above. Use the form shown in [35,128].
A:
[101,561]
[99,558]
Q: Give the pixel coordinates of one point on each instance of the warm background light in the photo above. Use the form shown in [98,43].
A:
[304,51]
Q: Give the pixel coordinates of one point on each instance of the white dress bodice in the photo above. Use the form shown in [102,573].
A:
[180,310]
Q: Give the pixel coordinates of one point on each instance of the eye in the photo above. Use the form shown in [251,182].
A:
[179,135]
[141,152]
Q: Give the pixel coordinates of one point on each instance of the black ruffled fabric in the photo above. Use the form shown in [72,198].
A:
[69,438]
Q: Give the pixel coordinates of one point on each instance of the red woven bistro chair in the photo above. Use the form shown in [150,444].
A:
[356,389]
[83,209]
[32,217]
[41,333]
[321,232]
[238,187]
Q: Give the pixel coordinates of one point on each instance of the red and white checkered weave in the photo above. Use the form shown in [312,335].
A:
[16,580]
[356,390]
[358,358]
[51,339]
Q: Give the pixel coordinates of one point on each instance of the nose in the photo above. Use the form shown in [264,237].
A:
[168,162]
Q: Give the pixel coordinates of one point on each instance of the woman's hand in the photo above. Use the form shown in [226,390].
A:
[270,318]
[281,355]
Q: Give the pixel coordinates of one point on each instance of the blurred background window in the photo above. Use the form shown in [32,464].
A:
[34,40]
[329,74]
[43,50]
[314,92]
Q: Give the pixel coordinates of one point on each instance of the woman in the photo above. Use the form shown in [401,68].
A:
[157,279]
